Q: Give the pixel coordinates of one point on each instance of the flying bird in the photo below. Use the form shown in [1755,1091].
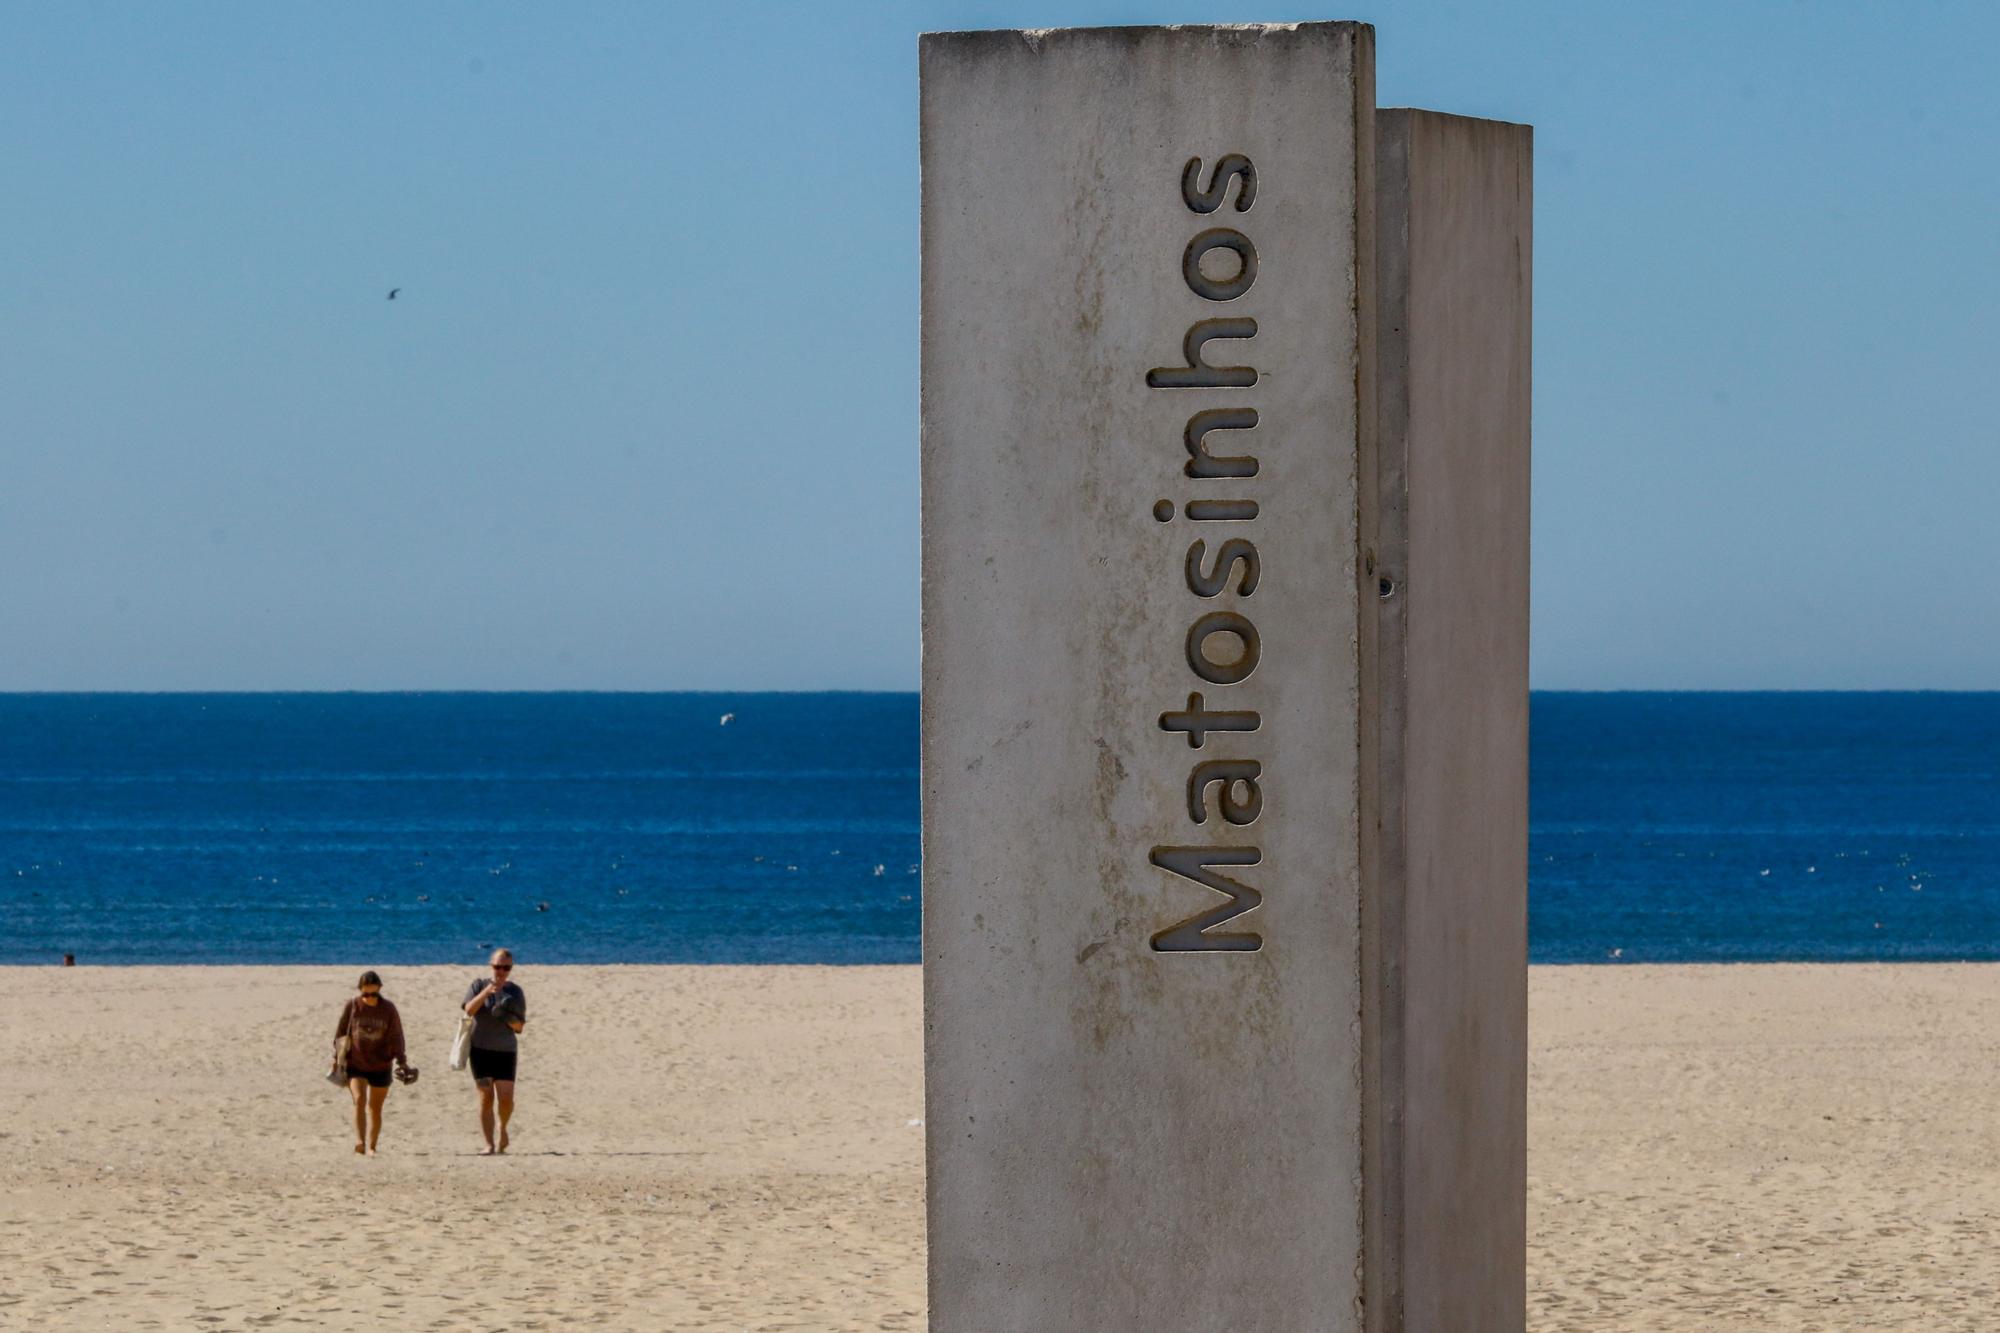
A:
[393,291]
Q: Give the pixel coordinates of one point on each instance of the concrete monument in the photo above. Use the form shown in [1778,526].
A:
[1225,445]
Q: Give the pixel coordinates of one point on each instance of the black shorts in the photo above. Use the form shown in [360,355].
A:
[493,1065]
[377,1078]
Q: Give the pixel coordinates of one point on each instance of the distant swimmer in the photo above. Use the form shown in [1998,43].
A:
[499,1011]
[368,1040]
[393,291]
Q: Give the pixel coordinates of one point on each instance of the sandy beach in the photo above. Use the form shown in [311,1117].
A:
[1711,1148]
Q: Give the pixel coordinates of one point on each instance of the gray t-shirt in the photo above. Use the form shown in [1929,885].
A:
[489,1022]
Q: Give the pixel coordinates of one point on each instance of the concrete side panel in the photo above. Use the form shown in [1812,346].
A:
[1455,251]
[1135,1122]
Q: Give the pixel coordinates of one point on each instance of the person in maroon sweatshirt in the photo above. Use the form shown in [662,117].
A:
[374,1032]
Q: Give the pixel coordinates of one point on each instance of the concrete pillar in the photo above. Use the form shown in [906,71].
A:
[1445,747]
[1186,767]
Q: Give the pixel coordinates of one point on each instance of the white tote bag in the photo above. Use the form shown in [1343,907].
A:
[461,1045]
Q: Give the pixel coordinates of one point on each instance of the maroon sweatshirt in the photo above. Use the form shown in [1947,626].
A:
[374,1033]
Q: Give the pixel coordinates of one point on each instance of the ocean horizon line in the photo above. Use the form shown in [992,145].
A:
[838,692]
[475,963]
[784,827]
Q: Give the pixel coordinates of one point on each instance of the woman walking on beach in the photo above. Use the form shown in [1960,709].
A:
[499,1010]
[374,1032]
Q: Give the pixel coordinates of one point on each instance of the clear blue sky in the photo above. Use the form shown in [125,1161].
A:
[645,413]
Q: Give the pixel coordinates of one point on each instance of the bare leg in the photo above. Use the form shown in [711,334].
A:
[376,1096]
[357,1088]
[486,1113]
[504,1091]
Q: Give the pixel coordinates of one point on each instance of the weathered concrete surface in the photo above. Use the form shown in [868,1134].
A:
[1122,1137]
[1445,786]
[1225,628]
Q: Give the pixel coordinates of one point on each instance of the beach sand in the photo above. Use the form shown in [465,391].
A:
[731,1148]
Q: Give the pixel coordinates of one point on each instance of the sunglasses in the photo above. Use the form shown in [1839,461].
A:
[503,967]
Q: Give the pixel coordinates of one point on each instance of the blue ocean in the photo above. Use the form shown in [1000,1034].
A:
[406,828]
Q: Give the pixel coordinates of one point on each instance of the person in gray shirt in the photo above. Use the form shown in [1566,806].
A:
[499,1011]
